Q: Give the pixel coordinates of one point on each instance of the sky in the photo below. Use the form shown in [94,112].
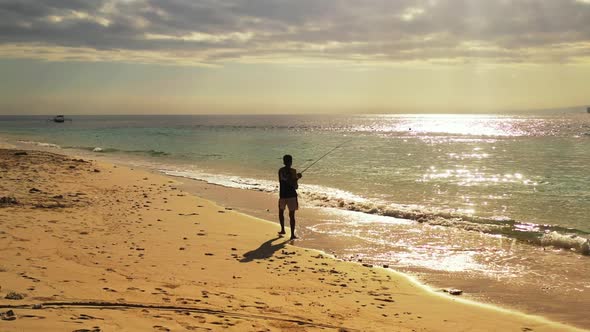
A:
[298,56]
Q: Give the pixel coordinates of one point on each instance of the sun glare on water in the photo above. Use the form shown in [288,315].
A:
[462,125]
[453,124]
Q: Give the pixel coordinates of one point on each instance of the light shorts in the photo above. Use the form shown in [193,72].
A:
[290,202]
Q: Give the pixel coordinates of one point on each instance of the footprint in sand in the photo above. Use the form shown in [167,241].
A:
[84,317]
[32,316]
[194,328]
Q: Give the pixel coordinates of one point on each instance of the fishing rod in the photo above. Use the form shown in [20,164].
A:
[327,153]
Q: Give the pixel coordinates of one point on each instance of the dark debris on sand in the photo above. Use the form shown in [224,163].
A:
[8,315]
[15,296]
[8,200]
[20,171]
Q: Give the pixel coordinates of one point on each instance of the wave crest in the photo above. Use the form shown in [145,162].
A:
[98,149]
[42,144]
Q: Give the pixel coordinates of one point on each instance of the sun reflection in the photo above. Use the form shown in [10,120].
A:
[463,156]
[482,125]
[466,177]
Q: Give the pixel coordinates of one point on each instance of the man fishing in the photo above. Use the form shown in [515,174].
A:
[288,178]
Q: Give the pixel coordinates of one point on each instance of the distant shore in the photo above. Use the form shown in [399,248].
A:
[96,246]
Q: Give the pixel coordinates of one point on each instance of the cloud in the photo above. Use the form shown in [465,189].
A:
[211,32]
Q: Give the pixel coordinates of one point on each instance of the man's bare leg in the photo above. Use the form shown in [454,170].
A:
[292,222]
[282,220]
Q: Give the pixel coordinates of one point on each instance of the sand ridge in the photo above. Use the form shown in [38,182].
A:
[101,247]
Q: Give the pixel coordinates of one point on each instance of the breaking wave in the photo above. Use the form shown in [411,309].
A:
[41,144]
[98,149]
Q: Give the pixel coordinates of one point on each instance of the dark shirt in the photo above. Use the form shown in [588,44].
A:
[287,182]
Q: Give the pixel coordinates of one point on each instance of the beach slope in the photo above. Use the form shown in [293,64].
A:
[90,246]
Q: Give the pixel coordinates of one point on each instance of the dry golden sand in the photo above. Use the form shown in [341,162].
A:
[105,248]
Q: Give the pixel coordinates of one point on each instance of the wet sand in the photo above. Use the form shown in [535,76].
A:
[89,246]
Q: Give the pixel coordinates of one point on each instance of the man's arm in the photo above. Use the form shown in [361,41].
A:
[294,178]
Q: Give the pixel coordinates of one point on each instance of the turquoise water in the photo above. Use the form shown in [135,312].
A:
[523,169]
[498,205]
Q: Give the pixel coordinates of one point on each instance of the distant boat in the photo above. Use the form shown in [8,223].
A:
[60,119]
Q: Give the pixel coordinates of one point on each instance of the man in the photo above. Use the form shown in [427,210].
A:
[288,178]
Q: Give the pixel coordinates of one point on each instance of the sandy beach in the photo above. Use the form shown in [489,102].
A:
[91,246]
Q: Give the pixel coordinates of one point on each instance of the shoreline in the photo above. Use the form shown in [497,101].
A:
[167,202]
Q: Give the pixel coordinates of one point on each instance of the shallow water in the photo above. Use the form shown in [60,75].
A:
[497,199]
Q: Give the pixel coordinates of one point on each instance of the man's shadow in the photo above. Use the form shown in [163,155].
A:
[266,250]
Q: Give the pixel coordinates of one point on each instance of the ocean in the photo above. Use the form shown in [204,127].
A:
[498,205]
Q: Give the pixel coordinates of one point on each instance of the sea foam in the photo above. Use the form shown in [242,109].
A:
[42,144]
[566,241]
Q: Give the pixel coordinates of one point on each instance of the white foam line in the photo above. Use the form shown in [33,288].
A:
[43,144]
